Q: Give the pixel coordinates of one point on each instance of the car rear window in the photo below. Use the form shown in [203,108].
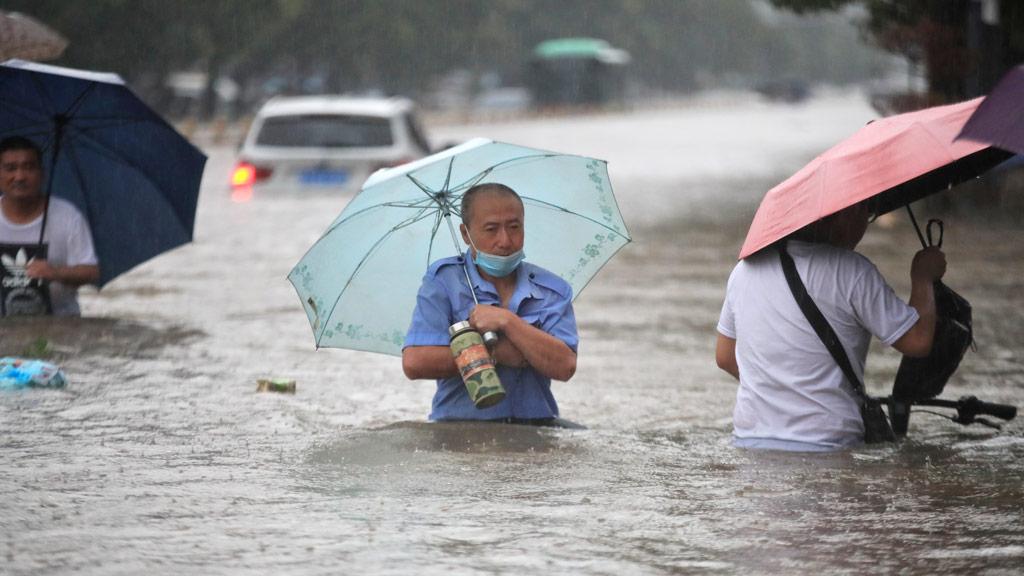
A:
[325,131]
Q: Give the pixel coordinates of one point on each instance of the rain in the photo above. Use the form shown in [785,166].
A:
[201,428]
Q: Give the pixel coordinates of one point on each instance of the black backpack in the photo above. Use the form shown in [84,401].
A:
[924,378]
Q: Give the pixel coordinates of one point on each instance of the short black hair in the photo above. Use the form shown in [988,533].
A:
[492,187]
[21,143]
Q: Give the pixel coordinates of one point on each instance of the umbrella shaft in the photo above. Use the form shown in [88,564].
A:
[458,249]
[490,338]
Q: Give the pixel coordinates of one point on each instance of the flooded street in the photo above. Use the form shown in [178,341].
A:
[160,457]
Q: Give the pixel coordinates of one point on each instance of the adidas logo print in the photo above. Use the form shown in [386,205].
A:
[15,267]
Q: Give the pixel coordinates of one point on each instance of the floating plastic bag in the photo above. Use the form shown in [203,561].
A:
[26,372]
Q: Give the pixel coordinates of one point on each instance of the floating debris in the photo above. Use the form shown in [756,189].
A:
[282,385]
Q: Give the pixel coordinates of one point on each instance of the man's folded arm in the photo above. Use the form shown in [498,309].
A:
[428,362]
[543,352]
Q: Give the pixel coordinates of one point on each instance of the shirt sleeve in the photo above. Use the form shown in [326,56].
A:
[560,321]
[878,308]
[80,248]
[432,315]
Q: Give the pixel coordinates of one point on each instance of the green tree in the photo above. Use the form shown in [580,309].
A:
[962,56]
[404,46]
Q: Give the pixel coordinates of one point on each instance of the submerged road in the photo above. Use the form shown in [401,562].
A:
[159,456]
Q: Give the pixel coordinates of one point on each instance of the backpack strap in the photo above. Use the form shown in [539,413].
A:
[818,321]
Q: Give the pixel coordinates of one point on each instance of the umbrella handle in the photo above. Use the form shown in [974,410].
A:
[490,339]
[916,227]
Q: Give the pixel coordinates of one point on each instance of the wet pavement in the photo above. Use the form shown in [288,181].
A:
[159,456]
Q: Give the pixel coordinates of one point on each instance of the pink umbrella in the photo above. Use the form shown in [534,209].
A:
[999,120]
[895,160]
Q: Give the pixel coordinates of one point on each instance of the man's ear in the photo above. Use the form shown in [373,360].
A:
[465,234]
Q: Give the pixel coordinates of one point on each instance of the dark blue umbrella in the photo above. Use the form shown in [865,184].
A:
[128,171]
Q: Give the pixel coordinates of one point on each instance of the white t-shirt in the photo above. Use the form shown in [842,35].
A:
[791,389]
[69,243]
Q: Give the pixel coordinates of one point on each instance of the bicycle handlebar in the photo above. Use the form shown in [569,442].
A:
[971,406]
[974,406]
[968,408]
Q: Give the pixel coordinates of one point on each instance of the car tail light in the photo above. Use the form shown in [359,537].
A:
[246,174]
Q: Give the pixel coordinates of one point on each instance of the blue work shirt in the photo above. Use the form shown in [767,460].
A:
[540,298]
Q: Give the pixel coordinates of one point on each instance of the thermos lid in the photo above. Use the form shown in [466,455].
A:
[458,327]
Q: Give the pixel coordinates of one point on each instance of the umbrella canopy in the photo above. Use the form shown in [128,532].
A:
[24,37]
[895,160]
[133,177]
[999,120]
[358,283]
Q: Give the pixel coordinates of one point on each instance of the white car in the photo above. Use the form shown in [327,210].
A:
[327,142]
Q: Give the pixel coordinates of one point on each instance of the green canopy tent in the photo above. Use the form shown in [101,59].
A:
[576,71]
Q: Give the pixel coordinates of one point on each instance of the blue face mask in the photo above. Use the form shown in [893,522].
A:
[498,266]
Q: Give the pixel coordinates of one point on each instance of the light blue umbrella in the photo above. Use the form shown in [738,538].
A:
[358,283]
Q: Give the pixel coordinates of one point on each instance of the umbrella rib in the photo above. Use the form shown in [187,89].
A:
[41,90]
[333,226]
[433,234]
[544,204]
[42,128]
[448,176]
[469,182]
[476,178]
[432,195]
[362,261]
[416,204]
[26,110]
[80,99]
[440,197]
[90,127]
[412,219]
[106,152]
[80,178]
[361,211]
[423,187]
[75,104]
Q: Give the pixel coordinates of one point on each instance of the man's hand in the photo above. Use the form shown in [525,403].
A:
[70,275]
[42,270]
[929,265]
[487,318]
[538,349]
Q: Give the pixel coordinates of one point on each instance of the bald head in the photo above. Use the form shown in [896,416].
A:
[479,190]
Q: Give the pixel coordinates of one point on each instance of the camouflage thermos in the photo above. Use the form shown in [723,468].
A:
[475,365]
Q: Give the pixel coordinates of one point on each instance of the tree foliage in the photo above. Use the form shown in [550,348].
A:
[408,45]
[962,55]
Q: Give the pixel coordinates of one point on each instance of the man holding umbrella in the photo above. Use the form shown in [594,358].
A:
[801,305]
[793,394]
[529,307]
[41,271]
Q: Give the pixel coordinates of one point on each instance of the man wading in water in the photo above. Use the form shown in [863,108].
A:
[529,307]
[792,393]
[39,276]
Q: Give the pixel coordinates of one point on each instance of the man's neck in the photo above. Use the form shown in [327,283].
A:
[505,285]
[22,210]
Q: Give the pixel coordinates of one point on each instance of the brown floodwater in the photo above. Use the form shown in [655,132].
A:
[160,457]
